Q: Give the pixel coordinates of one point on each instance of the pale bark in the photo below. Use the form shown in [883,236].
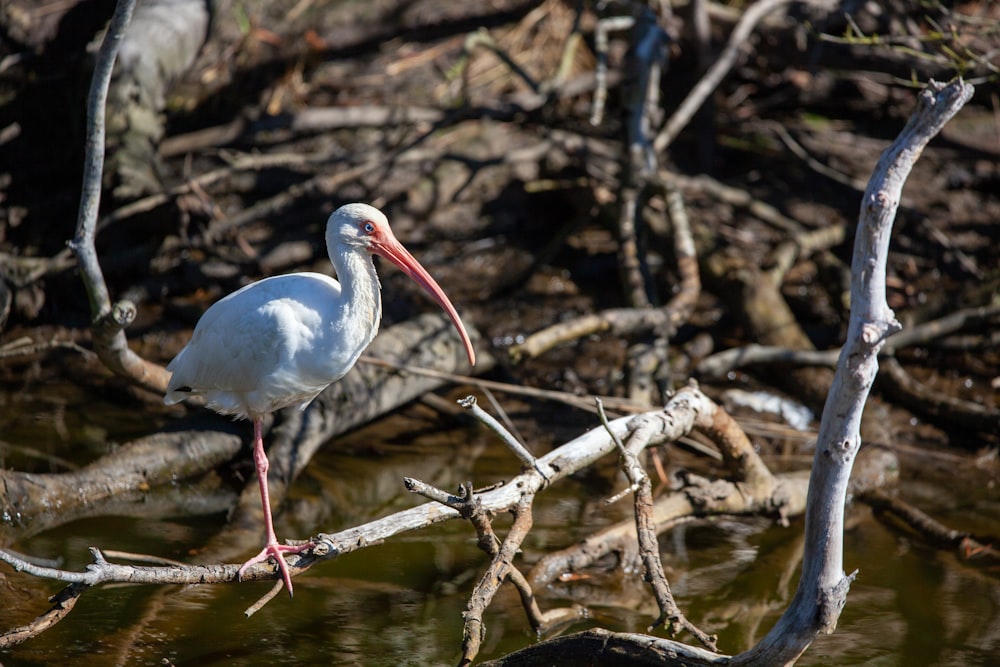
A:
[823,587]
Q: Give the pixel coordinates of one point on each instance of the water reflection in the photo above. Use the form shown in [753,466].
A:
[401,603]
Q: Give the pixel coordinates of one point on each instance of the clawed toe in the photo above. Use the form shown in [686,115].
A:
[277,551]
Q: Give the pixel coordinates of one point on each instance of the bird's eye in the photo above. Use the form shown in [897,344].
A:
[368,228]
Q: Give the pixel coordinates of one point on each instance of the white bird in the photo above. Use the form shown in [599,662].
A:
[280,341]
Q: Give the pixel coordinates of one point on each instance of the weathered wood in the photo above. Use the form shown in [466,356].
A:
[822,590]
[161,44]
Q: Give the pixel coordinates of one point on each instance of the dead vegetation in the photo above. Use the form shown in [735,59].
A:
[617,258]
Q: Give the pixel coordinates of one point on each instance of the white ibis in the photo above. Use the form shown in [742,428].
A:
[280,341]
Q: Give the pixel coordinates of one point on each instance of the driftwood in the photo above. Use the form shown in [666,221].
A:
[643,190]
[823,587]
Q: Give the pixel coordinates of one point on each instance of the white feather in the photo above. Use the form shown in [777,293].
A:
[280,341]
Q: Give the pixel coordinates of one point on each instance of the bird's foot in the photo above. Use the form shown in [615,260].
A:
[276,550]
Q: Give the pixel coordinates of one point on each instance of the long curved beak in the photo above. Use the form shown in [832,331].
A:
[389,247]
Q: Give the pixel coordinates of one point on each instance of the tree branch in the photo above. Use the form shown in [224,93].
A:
[107,322]
[649,549]
[822,590]
[717,72]
[678,418]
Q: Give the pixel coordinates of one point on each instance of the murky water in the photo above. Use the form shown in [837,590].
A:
[401,603]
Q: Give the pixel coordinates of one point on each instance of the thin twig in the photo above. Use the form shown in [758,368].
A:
[504,417]
[582,402]
[22,347]
[523,455]
[499,569]
[264,599]
[814,164]
[640,436]
[604,26]
[717,72]
[607,425]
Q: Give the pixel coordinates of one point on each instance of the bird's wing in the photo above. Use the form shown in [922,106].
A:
[246,337]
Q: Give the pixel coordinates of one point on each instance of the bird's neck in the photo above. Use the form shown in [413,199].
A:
[361,294]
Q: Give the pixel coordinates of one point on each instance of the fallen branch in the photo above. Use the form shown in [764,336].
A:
[930,402]
[501,567]
[717,365]
[688,407]
[671,616]
[966,545]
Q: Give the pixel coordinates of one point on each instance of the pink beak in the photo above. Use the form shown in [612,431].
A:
[386,245]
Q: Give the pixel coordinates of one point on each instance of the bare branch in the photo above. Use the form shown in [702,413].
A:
[822,590]
[717,72]
[643,431]
[927,401]
[501,566]
[739,454]
[523,455]
[107,322]
[717,365]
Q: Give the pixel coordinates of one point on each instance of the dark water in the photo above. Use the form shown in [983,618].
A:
[401,603]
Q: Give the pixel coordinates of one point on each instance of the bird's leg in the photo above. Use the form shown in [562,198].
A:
[272,547]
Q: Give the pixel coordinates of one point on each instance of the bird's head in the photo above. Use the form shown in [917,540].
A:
[358,225]
[365,227]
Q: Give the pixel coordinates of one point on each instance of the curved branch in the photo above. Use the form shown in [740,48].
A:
[107,322]
[822,590]
[93,166]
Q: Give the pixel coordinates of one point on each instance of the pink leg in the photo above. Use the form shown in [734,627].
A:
[272,547]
